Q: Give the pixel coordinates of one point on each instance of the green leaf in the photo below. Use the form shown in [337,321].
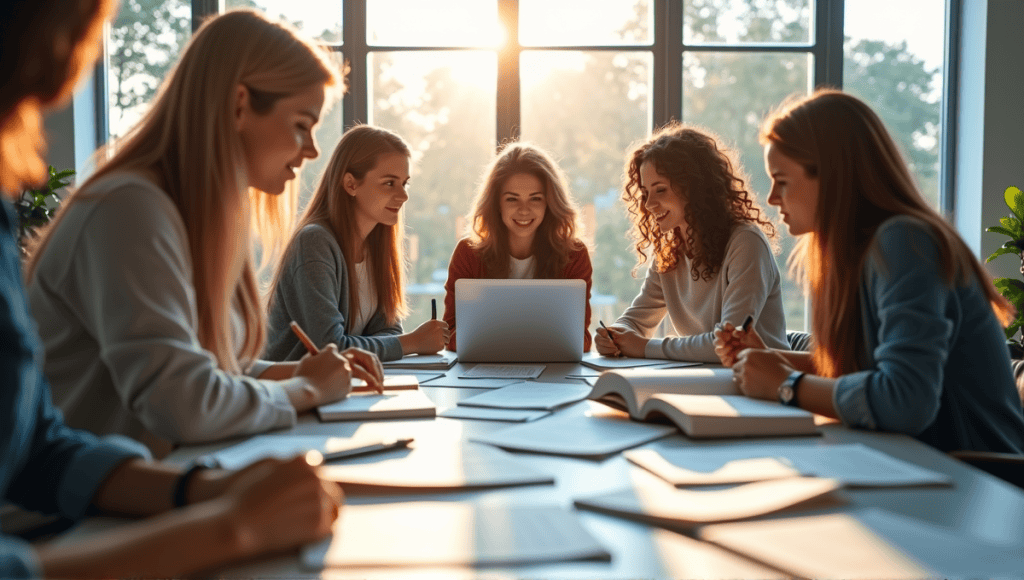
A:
[1002,252]
[1014,225]
[1000,230]
[1014,199]
[1011,289]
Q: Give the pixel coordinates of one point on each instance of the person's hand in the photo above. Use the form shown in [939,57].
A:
[277,504]
[428,338]
[759,373]
[731,340]
[328,378]
[365,365]
[620,341]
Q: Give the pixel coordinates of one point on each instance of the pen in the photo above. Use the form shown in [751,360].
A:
[367,449]
[304,338]
[601,322]
[312,347]
[747,323]
[433,308]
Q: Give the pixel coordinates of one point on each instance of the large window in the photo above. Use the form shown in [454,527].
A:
[584,79]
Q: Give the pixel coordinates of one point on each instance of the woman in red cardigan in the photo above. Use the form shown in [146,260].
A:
[523,224]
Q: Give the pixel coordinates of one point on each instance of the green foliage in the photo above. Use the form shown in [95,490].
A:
[37,206]
[1012,226]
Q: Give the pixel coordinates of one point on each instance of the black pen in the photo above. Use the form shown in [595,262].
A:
[747,323]
[433,308]
[367,449]
[601,322]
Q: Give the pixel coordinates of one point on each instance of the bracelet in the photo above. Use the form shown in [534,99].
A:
[181,486]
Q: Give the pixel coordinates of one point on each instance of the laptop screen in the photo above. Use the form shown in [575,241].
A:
[520,320]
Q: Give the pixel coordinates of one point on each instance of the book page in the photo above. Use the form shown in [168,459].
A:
[486,414]
[577,434]
[535,395]
[729,415]
[638,385]
[603,363]
[502,371]
[428,468]
[453,533]
[854,464]
[473,383]
[654,501]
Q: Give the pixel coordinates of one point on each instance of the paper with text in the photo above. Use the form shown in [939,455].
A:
[502,371]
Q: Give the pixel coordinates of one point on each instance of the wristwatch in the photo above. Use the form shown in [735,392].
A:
[787,390]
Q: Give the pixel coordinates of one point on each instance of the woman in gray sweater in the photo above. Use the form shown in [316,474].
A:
[711,245]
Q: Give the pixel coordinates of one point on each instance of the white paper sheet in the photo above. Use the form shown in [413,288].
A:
[486,414]
[534,395]
[501,371]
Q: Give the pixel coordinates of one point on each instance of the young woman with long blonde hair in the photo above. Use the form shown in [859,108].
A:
[342,277]
[523,224]
[203,518]
[144,287]
[906,325]
[711,244]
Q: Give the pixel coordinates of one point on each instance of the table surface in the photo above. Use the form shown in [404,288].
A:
[977,504]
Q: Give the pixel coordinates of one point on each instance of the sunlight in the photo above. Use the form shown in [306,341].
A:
[457,23]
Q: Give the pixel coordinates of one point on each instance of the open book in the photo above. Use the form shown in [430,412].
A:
[701,402]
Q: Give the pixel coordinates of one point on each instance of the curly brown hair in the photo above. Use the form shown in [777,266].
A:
[712,184]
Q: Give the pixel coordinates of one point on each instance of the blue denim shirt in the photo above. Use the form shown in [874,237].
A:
[45,466]
[936,365]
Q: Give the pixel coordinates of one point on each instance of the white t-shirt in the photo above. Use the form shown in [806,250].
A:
[367,299]
[521,269]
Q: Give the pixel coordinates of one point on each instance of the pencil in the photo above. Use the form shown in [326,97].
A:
[433,308]
[304,338]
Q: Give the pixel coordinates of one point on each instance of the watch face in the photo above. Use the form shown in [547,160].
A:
[786,393]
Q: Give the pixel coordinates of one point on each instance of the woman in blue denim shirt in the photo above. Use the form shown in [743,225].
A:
[906,325]
[48,467]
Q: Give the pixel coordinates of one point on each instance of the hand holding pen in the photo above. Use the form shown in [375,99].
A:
[602,349]
[730,340]
[429,337]
[362,364]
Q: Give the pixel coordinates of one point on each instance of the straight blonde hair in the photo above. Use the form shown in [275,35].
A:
[188,143]
[864,181]
[357,153]
[556,237]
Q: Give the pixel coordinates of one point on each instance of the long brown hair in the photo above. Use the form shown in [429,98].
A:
[45,46]
[863,181]
[556,238]
[709,178]
[189,144]
[357,153]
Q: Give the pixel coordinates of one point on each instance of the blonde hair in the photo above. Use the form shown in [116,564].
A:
[708,177]
[189,144]
[863,181]
[357,153]
[45,46]
[556,237]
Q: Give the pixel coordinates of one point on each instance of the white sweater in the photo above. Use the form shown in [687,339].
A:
[113,297]
[747,284]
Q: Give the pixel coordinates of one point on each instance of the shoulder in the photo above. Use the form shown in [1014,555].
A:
[315,242]
[903,246]
[903,229]
[579,257]
[465,252]
[747,241]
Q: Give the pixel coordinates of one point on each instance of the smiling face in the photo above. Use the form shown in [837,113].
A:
[793,191]
[667,206]
[379,196]
[523,204]
[276,143]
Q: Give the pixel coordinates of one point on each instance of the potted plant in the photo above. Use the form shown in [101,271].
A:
[36,207]
[1012,288]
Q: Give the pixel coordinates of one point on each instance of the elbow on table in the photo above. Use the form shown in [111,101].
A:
[910,418]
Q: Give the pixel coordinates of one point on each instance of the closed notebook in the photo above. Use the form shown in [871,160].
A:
[441,361]
[391,383]
[701,402]
[369,406]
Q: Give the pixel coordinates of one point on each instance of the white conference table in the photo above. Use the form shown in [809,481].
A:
[977,504]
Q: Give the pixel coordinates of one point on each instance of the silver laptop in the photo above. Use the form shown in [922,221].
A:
[519,320]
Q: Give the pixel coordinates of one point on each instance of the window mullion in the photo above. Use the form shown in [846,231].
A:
[355,48]
[508,96]
[667,84]
[828,43]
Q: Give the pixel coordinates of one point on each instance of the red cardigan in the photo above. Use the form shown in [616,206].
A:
[466,264]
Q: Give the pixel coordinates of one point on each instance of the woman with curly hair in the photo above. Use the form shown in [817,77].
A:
[711,245]
[523,224]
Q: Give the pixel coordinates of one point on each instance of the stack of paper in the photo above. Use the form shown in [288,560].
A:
[452,534]
[576,434]
[441,361]
[868,543]
[854,464]
[371,406]
[655,502]
[534,395]
[434,468]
